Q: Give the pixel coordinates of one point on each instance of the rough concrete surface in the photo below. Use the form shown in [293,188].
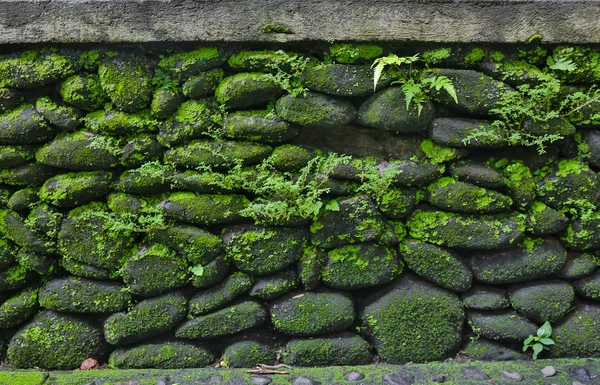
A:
[81,21]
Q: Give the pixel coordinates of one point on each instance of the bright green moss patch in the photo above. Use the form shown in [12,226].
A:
[347,53]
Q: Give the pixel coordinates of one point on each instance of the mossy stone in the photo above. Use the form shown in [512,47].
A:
[575,335]
[247,89]
[214,298]
[26,175]
[154,269]
[543,301]
[272,286]
[261,250]
[19,308]
[75,189]
[477,173]
[24,125]
[80,151]
[233,319]
[203,84]
[290,158]
[90,234]
[196,245]
[309,267]
[396,203]
[412,307]
[212,273]
[338,349]
[583,234]
[81,295]
[262,61]
[204,182]
[315,110]
[39,67]
[16,229]
[359,266]
[45,219]
[520,184]
[66,118]
[477,93]
[470,133]
[13,156]
[193,119]
[118,123]
[544,220]
[165,102]
[588,287]
[248,353]
[127,81]
[591,140]
[350,53]
[530,259]
[437,154]
[43,264]
[139,150]
[219,155]
[204,209]
[56,341]
[342,79]
[478,232]
[312,313]
[16,277]
[182,65]
[486,350]
[150,178]
[481,297]
[579,265]
[554,126]
[505,325]
[584,60]
[8,251]
[149,318]
[438,265]
[258,126]
[9,99]
[84,92]
[408,173]
[357,220]
[80,269]
[387,110]
[166,355]
[462,197]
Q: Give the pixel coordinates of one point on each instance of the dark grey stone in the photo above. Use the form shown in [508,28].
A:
[579,373]
[473,373]
[401,377]
[511,376]
[260,380]
[548,371]
[354,376]
[305,381]
[440,378]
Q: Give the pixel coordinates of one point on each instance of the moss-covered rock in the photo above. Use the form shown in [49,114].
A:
[45,219]
[19,308]
[13,156]
[312,313]
[248,89]
[258,126]
[80,295]
[204,182]
[579,265]
[543,301]
[217,296]
[16,277]
[154,269]
[74,189]
[408,173]
[358,266]
[272,286]
[233,319]
[471,133]
[64,117]
[203,84]
[165,102]
[196,245]
[113,122]
[166,355]
[338,349]
[584,63]
[219,155]
[26,175]
[8,251]
[477,93]
[290,158]
[481,297]
[84,92]
[139,150]
[149,318]
[23,199]
[520,184]
[477,173]
[35,68]
[315,110]
[262,61]
[583,234]
[437,154]
[80,269]
[387,110]
[248,353]
[204,209]
[212,273]
[506,325]
[543,220]
[310,265]
[24,125]
[127,81]
[16,229]
[462,197]
[575,335]
[590,141]
[80,151]
[356,220]
[94,235]
[43,264]
[555,126]
[484,350]
[182,65]
[193,119]
[409,308]
[9,99]
[436,264]
[532,258]
[342,80]
[396,203]
[349,53]
[56,341]
[150,178]
[479,232]
[260,250]
[588,287]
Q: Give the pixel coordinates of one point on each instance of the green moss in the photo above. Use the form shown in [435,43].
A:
[221,294]
[84,91]
[309,267]
[35,68]
[449,194]
[19,308]
[439,154]
[167,355]
[520,183]
[127,81]
[72,189]
[474,56]
[274,28]
[274,285]
[577,63]
[338,349]
[22,378]
[347,53]
[64,117]
[264,61]
[247,354]
[112,122]
[247,89]
[204,209]
[437,55]
[185,64]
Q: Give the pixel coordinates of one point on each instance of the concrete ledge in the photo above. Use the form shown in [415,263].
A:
[135,21]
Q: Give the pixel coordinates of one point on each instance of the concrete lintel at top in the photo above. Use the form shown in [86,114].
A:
[137,21]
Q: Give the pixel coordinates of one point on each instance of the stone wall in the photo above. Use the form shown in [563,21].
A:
[244,205]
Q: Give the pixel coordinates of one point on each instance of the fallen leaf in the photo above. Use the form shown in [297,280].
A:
[89,364]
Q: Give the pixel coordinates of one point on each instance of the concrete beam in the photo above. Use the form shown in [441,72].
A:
[136,21]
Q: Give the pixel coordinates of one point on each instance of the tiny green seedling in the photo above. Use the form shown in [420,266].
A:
[540,341]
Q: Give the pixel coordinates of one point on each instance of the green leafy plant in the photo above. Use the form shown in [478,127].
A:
[163,81]
[287,70]
[197,270]
[416,84]
[540,341]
